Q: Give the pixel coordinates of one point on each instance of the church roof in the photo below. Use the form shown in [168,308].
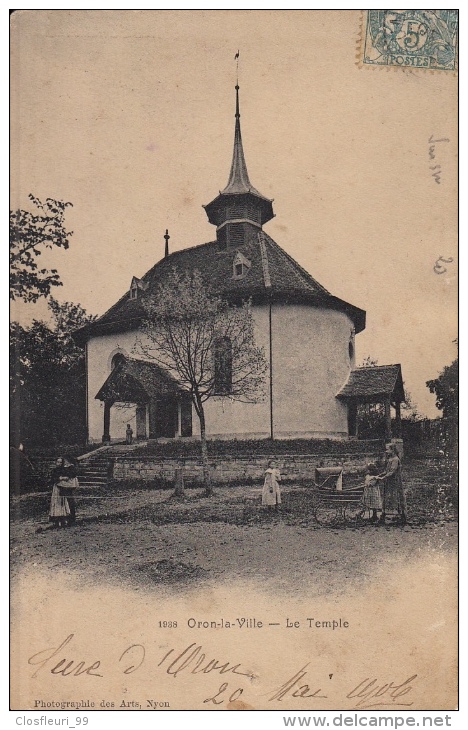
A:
[272,274]
[370,383]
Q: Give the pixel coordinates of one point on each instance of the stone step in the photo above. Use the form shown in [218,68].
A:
[94,461]
[92,482]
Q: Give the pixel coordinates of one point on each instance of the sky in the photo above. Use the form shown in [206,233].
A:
[129,115]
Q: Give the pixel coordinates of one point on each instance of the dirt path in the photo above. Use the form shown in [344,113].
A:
[146,538]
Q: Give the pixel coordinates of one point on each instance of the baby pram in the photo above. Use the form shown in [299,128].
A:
[332,496]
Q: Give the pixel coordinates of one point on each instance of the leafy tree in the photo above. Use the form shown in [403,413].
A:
[48,379]
[445,388]
[30,234]
[206,344]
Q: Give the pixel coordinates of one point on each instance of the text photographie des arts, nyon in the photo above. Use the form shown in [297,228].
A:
[234,373]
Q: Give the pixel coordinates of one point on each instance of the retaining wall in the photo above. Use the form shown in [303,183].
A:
[227,469]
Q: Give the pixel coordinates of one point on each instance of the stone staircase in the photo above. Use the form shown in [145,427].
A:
[93,471]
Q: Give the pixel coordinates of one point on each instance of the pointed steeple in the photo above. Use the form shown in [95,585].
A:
[239,206]
[239,177]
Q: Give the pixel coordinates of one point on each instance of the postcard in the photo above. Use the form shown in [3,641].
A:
[234,374]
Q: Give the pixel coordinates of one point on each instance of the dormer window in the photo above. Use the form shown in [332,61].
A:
[240,266]
[136,286]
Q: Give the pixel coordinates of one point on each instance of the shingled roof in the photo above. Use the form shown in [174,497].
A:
[138,380]
[370,383]
[273,273]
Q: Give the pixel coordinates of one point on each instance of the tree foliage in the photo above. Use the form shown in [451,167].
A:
[445,388]
[48,379]
[185,331]
[30,234]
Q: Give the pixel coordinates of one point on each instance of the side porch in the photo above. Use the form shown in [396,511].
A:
[162,409]
[377,384]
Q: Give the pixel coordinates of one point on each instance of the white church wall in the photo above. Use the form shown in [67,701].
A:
[311,362]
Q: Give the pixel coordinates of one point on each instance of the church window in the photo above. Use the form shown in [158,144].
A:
[351,349]
[117,360]
[134,292]
[223,366]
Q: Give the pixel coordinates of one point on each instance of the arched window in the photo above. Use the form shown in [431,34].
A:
[351,349]
[117,360]
[223,366]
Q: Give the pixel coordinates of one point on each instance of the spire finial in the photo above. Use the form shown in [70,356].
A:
[166,237]
[236,58]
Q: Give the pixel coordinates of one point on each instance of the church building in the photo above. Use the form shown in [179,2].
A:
[308,335]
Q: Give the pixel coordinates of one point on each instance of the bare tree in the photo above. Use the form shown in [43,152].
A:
[206,344]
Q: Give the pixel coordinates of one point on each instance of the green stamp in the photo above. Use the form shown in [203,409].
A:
[411,39]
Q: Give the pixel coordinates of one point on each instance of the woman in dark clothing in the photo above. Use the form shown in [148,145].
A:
[64,481]
[393,496]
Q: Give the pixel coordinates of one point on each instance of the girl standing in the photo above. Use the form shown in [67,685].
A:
[271,495]
[371,498]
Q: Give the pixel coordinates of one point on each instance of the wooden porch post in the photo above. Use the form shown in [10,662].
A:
[398,419]
[106,435]
[352,418]
[388,420]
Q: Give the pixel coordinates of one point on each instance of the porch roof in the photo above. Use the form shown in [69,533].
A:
[137,381]
[373,383]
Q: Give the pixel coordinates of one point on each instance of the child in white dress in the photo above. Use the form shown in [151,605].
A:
[271,495]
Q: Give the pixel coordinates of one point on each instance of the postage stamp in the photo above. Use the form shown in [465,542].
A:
[411,38]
